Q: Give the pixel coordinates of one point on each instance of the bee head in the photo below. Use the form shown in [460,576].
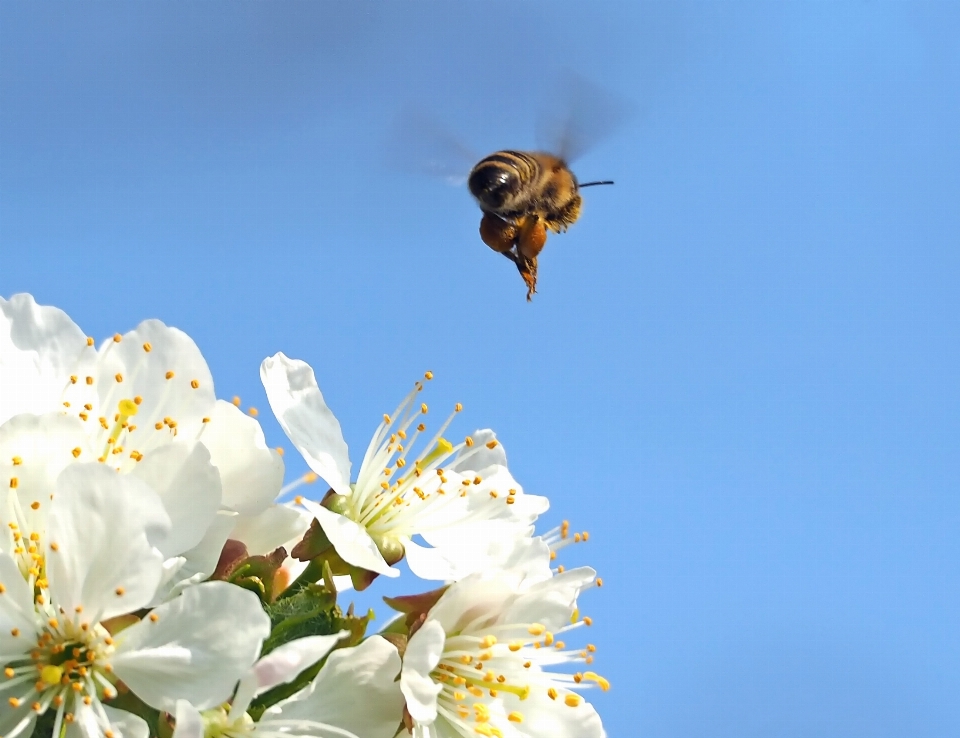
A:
[492,183]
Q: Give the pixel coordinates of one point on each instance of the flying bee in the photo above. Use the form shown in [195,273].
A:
[523,194]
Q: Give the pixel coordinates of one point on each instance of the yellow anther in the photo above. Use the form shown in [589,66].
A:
[169,375]
[469,441]
[118,376]
[117,338]
[73,379]
[492,444]
[14,482]
[572,700]
[310,477]
[428,376]
[537,629]
[235,401]
[252,412]
[89,340]
[488,641]
[386,419]
[17,461]
[515,717]
[588,621]
[147,347]
[457,408]
[76,452]
[89,380]
[194,383]
[552,693]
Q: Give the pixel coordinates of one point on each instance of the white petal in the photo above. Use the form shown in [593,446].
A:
[145,374]
[197,647]
[351,540]
[127,724]
[44,446]
[272,528]
[287,661]
[189,721]
[480,456]
[16,723]
[356,690]
[550,602]
[200,561]
[252,474]
[421,657]
[101,555]
[474,597]
[39,347]
[543,716]
[479,547]
[429,563]
[310,425]
[17,614]
[189,487]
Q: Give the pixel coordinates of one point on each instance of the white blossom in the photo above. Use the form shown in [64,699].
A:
[62,589]
[478,663]
[460,498]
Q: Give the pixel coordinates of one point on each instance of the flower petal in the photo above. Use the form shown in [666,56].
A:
[251,473]
[34,449]
[189,487]
[194,647]
[17,614]
[189,721]
[39,346]
[126,723]
[287,661]
[351,540]
[310,425]
[270,529]
[103,529]
[421,657]
[356,690]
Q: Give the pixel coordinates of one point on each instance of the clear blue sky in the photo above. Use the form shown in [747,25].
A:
[740,374]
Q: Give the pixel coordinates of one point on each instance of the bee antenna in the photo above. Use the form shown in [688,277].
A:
[599,182]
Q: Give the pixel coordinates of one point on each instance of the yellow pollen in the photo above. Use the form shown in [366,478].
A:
[252,412]
[54,546]
[386,419]
[89,340]
[560,569]
[119,591]
[207,420]
[169,375]
[14,482]
[158,426]
[14,702]
[279,450]
[17,461]
[468,440]
[572,700]
[73,379]
[118,376]
[588,621]
[154,617]
[428,376]
[421,427]
[137,400]
[194,383]
[492,444]
[423,408]
[235,401]
[457,408]
[488,641]
[552,693]
[117,338]
[66,404]
[536,629]
[34,505]
[515,717]
[599,582]
[147,347]
[89,380]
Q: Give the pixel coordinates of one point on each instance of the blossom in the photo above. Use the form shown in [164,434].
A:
[66,590]
[477,663]
[143,403]
[354,694]
[460,498]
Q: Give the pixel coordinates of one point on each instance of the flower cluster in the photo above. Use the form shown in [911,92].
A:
[153,583]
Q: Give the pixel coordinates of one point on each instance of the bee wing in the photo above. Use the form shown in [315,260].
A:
[577,116]
[419,143]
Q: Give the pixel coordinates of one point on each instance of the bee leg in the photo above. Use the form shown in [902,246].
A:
[530,242]
[498,234]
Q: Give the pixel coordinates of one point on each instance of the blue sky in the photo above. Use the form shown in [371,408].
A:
[740,373]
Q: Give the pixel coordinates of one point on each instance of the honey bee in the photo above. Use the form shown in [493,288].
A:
[523,194]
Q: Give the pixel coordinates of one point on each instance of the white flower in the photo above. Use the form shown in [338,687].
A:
[143,403]
[97,559]
[461,499]
[355,694]
[476,665]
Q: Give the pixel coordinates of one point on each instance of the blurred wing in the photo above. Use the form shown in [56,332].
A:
[577,116]
[418,143]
